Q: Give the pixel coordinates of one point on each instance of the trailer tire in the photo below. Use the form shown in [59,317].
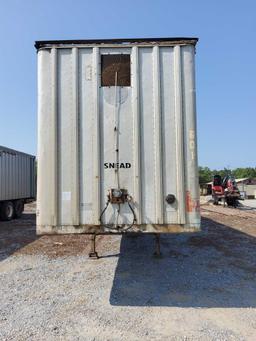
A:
[7,210]
[18,208]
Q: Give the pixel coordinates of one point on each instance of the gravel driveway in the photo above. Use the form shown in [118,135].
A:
[203,287]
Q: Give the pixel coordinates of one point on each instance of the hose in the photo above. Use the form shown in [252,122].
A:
[117,227]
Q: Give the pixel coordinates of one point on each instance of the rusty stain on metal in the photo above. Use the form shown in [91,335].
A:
[192,205]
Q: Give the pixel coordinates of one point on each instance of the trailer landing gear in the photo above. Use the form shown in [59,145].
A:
[157,252]
[93,253]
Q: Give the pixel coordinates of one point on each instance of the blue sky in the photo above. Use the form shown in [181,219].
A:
[225,68]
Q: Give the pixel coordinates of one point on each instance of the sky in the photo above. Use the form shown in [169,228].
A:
[225,63]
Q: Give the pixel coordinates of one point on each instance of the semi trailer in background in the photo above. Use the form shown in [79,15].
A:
[17,182]
[117,148]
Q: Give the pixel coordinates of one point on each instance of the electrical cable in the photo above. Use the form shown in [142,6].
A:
[117,227]
[134,218]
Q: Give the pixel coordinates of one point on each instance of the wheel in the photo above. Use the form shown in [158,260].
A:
[18,208]
[7,210]
[231,202]
[236,203]
[215,200]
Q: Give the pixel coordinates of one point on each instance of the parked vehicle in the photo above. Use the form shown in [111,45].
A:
[225,190]
[117,148]
[17,182]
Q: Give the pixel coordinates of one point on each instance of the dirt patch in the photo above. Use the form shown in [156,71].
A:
[61,245]
[230,212]
[19,236]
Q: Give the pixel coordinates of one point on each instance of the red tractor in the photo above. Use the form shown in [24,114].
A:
[225,190]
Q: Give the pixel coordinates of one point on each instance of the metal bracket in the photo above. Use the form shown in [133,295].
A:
[157,252]
[93,253]
[118,196]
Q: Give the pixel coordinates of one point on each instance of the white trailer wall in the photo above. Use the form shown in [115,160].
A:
[157,136]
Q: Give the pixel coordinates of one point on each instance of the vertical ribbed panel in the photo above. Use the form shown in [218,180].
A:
[157,137]
[47,138]
[179,135]
[136,133]
[190,135]
[117,142]
[75,141]
[168,132]
[66,139]
[96,138]
[86,116]
[68,148]
[54,138]
[147,135]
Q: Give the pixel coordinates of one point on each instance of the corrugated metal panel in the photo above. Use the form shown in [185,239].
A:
[17,175]
[149,125]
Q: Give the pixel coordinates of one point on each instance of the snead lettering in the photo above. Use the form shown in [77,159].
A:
[117,165]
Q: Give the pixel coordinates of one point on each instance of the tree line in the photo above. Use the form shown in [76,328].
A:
[206,174]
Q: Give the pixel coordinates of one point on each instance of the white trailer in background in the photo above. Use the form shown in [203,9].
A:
[117,148]
[17,182]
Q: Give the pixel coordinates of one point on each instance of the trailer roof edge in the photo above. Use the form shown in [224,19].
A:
[10,150]
[44,43]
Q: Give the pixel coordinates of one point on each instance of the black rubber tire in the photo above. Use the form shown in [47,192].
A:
[231,202]
[18,208]
[215,200]
[6,210]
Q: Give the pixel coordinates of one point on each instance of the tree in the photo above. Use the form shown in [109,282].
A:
[222,172]
[248,172]
[205,174]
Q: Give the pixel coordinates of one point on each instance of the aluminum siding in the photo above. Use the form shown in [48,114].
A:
[76,137]
[17,175]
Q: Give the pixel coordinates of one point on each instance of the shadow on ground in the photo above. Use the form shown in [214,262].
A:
[213,269]
[19,236]
[16,234]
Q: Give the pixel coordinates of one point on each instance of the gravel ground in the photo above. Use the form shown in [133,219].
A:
[251,203]
[202,288]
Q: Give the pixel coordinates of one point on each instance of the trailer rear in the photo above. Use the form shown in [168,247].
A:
[117,148]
